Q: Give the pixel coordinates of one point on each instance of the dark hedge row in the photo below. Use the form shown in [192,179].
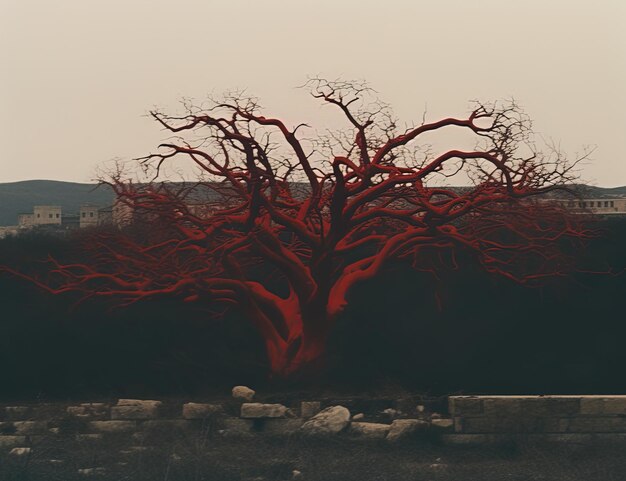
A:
[490,335]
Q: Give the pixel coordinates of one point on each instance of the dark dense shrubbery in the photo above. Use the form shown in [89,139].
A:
[490,335]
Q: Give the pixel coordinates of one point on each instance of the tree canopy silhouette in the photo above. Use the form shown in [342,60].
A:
[292,223]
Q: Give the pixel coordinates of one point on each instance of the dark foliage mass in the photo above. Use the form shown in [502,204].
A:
[489,335]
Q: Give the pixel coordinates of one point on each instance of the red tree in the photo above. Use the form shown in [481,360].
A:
[294,224]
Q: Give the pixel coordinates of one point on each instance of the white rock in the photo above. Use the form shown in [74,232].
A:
[19,452]
[259,410]
[390,413]
[295,474]
[358,417]
[331,420]
[243,393]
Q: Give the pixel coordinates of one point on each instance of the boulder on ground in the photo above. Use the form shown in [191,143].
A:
[331,420]
[243,393]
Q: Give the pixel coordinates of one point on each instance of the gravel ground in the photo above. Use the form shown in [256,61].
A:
[333,459]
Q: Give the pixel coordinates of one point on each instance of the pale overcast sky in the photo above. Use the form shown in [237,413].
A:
[78,76]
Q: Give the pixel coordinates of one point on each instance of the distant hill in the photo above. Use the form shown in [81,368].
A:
[20,197]
[605,191]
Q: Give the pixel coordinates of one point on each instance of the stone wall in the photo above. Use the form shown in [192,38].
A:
[144,422]
[482,418]
[137,423]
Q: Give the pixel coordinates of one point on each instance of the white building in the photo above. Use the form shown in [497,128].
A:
[600,206]
[47,215]
[88,216]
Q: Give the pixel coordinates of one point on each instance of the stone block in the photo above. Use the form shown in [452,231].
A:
[552,425]
[577,438]
[550,406]
[138,402]
[308,409]
[89,411]
[12,441]
[592,405]
[603,405]
[331,420]
[200,410]
[465,406]
[614,405]
[370,430]
[597,425]
[484,425]
[502,406]
[260,411]
[112,426]
[513,424]
[135,409]
[77,411]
